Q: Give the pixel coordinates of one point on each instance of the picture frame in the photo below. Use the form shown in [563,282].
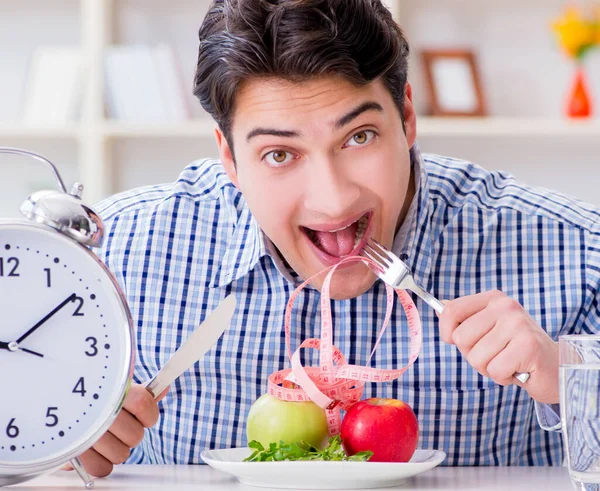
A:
[454,83]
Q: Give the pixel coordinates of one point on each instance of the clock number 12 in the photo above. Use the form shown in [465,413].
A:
[10,261]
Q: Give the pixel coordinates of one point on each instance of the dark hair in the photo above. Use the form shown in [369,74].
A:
[296,40]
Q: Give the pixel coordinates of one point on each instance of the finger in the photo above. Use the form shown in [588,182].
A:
[439,313]
[141,404]
[487,348]
[162,395]
[468,333]
[95,463]
[457,311]
[127,429]
[112,449]
[503,366]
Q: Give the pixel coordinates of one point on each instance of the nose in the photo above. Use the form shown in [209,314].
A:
[330,190]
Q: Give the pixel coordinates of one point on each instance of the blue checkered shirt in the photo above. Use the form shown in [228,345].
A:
[177,250]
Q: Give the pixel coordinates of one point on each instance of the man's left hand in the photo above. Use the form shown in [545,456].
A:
[498,338]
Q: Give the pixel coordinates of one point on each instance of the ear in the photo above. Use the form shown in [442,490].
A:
[226,157]
[410,117]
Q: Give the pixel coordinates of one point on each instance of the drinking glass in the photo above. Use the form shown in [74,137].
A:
[579,360]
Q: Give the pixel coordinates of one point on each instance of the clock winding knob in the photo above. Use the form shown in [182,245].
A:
[67,214]
[60,210]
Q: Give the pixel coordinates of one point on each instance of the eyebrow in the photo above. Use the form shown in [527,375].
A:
[355,113]
[271,132]
[343,121]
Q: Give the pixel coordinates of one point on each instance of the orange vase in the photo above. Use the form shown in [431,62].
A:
[579,103]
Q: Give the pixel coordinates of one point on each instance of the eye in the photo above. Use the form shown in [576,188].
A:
[278,158]
[361,138]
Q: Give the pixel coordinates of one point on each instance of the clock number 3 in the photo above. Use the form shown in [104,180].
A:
[93,349]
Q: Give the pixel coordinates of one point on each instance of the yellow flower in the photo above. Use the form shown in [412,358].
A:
[575,33]
[597,24]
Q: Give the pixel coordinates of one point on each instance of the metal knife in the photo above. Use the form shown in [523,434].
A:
[194,347]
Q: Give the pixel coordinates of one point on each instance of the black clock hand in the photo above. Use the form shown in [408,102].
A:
[31,352]
[15,347]
[71,298]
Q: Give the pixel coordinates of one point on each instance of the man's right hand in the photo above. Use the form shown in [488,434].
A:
[139,411]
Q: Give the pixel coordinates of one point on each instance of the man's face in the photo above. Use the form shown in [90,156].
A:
[323,165]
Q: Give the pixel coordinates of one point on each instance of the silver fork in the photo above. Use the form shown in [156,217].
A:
[396,273]
[393,271]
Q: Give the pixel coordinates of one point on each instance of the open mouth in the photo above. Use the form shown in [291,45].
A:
[333,245]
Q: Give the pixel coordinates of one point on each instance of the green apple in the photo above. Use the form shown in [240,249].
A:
[271,420]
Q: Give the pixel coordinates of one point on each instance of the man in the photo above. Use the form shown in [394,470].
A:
[317,143]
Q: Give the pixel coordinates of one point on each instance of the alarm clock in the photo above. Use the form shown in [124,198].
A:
[66,336]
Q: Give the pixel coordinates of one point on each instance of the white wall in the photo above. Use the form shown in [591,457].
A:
[153,21]
[523,73]
[21,176]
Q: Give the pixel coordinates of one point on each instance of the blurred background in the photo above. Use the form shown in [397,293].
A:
[103,88]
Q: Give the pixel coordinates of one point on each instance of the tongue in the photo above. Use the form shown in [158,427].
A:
[339,243]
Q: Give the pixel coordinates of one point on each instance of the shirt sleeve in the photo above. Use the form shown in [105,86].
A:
[115,253]
[548,416]
[137,456]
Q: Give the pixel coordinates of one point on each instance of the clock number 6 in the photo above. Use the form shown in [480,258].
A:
[11,430]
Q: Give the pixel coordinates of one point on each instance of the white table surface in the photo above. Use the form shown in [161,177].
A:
[205,478]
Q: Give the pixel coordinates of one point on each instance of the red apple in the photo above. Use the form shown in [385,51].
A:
[387,427]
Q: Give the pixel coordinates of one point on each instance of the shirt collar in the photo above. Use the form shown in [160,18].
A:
[248,244]
[413,242]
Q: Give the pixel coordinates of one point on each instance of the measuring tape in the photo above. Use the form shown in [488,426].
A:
[335,385]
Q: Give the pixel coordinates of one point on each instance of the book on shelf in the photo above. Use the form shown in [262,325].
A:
[143,84]
[54,87]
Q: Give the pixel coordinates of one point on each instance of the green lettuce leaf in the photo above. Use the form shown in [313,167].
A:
[303,451]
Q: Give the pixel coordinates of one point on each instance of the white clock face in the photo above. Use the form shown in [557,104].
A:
[65,349]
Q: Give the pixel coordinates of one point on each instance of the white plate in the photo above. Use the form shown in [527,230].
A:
[320,474]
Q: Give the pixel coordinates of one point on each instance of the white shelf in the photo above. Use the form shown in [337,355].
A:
[426,127]
[513,127]
[18,130]
[188,129]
